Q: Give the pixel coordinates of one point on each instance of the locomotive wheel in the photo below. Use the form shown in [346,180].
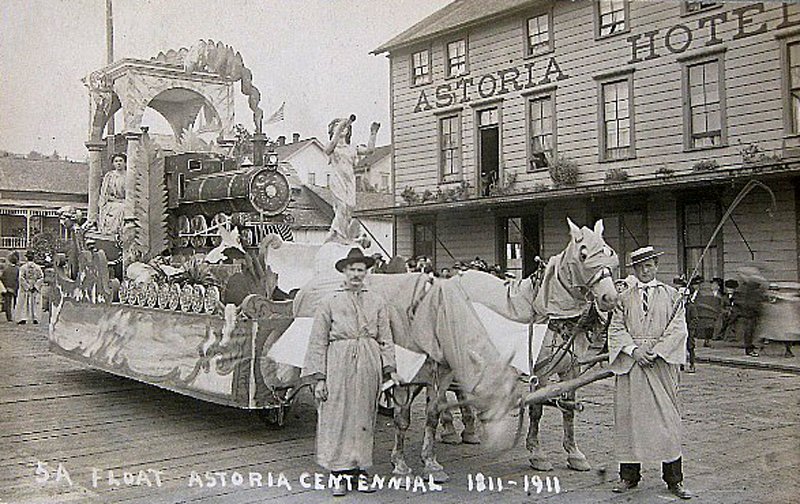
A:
[184,227]
[174,297]
[150,294]
[199,225]
[198,301]
[134,294]
[211,299]
[224,222]
[123,291]
[163,296]
[187,298]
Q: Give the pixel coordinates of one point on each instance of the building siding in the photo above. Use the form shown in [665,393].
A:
[752,85]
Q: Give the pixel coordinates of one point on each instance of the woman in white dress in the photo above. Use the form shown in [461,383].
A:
[111,206]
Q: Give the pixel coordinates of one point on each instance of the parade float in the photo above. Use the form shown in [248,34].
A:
[165,280]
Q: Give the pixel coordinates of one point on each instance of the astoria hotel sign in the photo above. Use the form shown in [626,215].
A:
[465,89]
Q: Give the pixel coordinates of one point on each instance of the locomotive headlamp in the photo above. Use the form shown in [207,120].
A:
[272,160]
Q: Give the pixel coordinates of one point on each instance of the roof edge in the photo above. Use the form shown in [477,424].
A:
[388,47]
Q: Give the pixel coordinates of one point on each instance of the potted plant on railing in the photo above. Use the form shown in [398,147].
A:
[616,175]
[752,155]
[563,172]
[410,196]
[705,165]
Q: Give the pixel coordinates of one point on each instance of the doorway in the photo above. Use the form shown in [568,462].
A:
[489,150]
[519,244]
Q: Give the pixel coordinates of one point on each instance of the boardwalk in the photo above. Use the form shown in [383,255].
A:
[742,442]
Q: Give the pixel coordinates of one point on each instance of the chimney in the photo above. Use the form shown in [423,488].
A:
[281,141]
[295,137]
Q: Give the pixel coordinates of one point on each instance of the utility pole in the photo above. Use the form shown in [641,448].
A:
[110,55]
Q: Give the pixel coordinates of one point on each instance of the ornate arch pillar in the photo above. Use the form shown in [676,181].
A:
[96,151]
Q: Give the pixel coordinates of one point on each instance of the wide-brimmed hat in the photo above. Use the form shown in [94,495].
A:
[642,254]
[354,256]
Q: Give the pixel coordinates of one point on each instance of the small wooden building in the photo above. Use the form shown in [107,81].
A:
[510,116]
[31,192]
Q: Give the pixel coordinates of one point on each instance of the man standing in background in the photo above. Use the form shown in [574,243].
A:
[10,280]
[30,276]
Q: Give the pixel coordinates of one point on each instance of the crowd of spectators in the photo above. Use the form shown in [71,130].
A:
[424,264]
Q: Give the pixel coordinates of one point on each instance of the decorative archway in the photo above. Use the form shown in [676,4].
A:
[133,85]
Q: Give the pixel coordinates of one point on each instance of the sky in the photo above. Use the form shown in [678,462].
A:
[312,54]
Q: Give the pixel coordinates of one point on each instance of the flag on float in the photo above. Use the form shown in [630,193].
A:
[277,116]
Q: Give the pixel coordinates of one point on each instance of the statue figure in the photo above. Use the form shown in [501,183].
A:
[343,158]
[111,205]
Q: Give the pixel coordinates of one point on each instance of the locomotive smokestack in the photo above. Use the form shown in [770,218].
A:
[259,146]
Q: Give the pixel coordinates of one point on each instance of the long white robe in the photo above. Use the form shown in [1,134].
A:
[646,413]
[350,346]
[28,296]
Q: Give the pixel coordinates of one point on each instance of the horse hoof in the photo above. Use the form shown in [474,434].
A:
[439,477]
[401,469]
[578,464]
[540,464]
[451,438]
[470,438]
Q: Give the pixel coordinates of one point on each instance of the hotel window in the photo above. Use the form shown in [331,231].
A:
[385,182]
[704,114]
[312,178]
[457,58]
[425,240]
[793,63]
[421,65]
[699,220]
[697,6]
[538,35]
[616,119]
[450,148]
[612,17]
[541,131]
[625,231]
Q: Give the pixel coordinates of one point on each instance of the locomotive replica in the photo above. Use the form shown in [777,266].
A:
[203,188]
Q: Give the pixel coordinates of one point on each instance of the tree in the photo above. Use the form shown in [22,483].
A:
[243,148]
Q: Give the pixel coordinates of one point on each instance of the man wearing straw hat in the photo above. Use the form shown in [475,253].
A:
[350,350]
[647,344]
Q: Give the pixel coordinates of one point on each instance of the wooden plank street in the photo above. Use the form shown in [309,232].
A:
[741,445]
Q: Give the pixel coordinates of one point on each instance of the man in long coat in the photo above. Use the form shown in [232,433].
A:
[349,352]
[10,279]
[30,275]
[647,344]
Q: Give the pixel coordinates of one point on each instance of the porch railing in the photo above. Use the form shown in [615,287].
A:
[12,242]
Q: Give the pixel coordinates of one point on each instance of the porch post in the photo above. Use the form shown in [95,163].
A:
[27,229]
[96,150]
